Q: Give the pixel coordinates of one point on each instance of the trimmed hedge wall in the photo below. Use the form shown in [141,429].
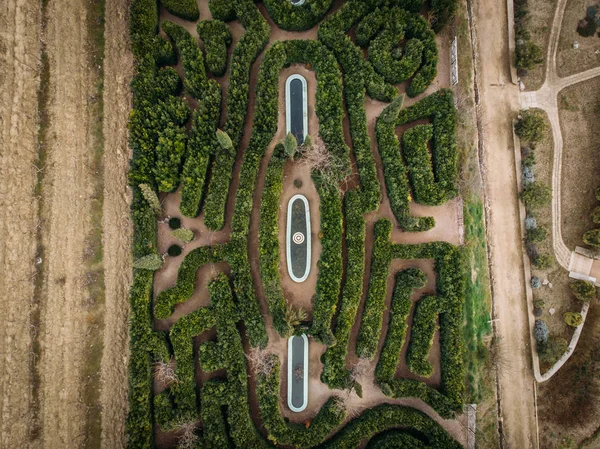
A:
[185,9]
[247,49]
[335,374]
[397,439]
[170,150]
[186,280]
[268,241]
[422,334]
[405,283]
[394,171]
[297,18]
[385,28]
[372,317]
[216,37]
[329,265]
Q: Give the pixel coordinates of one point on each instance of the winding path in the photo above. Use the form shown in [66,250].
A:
[546,98]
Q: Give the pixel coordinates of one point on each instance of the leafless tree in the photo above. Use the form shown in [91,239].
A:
[188,439]
[165,373]
[318,159]
[262,361]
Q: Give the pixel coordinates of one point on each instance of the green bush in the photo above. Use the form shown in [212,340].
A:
[216,37]
[573,319]
[150,262]
[372,317]
[186,9]
[169,152]
[334,373]
[595,215]
[536,235]
[531,126]
[543,261]
[406,282]
[397,439]
[174,223]
[185,235]
[536,195]
[382,30]
[584,291]
[541,333]
[528,55]
[442,12]
[268,241]
[421,336]
[297,18]
[592,237]
[553,350]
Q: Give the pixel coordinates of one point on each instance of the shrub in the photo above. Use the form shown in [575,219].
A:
[297,18]
[536,235]
[224,140]
[592,237]
[169,152]
[553,350]
[174,223]
[536,195]
[216,37]
[372,317]
[186,9]
[405,283]
[573,319]
[595,215]
[290,145]
[174,250]
[543,261]
[541,333]
[535,282]
[528,55]
[530,223]
[185,235]
[150,262]
[531,126]
[397,439]
[421,336]
[584,291]
[443,12]
[150,196]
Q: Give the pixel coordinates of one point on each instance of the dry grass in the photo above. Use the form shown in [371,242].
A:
[568,59]
[541,15]
[579,109]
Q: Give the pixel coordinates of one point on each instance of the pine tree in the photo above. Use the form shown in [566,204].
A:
[150,262]
[290,145]
[150,196]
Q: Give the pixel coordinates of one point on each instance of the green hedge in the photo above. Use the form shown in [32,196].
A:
[216,37]
[247,49]
[268,240]
[409,388]
[394,171]
[439,108]
[382,30]
[329,265]
[385,417]
[405,283]
[421,336]
[372,317]
[279,432]
[186,280]
[397,439]
[201,144]
[185,9]
[418,160]
[297,18]
[335,374]
[170,150]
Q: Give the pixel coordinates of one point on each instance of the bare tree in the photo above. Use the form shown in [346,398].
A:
[188,439]
[165,373]
[318,159]
[261,361]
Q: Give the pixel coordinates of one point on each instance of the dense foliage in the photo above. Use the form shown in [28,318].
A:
[422,333]
[216,37]
[186,9]
[297,17]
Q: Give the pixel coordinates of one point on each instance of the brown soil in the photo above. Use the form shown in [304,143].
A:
[579,111]
[569,60]
[19,78]
[500,101]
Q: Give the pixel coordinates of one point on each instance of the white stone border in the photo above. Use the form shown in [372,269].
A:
[304,375]
[288,238]
[300,3]
[288,124]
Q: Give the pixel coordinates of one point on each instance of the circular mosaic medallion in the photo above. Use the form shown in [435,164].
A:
[298,238]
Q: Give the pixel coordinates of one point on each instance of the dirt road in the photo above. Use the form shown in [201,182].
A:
[19,81]
[500,101]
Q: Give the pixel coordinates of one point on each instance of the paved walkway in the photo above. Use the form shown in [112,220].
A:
[579,265]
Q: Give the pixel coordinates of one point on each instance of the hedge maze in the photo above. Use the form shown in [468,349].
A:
[210,379]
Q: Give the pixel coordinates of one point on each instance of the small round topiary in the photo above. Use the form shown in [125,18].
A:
[297,183]
[537,312]
[174,223]
[174,250]
[535,282]
[530,223]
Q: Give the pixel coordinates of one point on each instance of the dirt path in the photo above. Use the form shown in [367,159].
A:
[116,224]
[19,80]
[66,312]
[500,101]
